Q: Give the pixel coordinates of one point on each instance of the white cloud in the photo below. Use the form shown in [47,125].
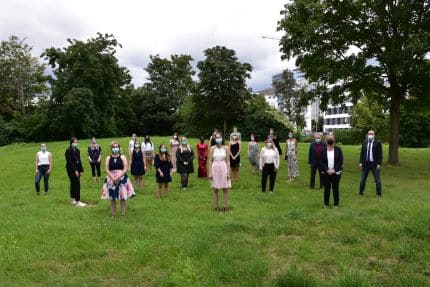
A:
[155,27]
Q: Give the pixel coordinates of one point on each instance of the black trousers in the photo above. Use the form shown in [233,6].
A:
[75,185]
[184,180]
[314,170]
[268,171]
[95,166]
[331,182]
[366,167]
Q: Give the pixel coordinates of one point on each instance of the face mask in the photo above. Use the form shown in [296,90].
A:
[370,137]
[330,142]
[94,142]
[218,140]
[137,145]
[184,142]
[43,148]
[252,139]
[269,145]
[290,136]
[115,150]
[163,149]
[317,140]
[175,137]
[74,145]
[271,132]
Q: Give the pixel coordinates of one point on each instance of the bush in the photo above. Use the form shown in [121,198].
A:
[349,136]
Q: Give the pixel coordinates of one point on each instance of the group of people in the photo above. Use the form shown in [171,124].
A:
[218,162]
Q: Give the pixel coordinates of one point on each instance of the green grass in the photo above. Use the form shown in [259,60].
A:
[284,239]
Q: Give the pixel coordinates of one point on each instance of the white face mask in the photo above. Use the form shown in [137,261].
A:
[370,137]
[43,148]
[317,140]
[269,145]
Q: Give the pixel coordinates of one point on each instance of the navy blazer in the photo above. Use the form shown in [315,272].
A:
[312,153]
[376,151]
[338,160]
[73,160]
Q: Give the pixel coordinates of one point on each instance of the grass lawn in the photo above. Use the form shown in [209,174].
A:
[283,239]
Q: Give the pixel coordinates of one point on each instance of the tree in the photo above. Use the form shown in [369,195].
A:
[351,48]
[222,91]
[368,114]
[159,100]
[21,78]
[89,70]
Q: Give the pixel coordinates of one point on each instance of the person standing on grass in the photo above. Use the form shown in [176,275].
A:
[163,165]
[131,144]
[137,165]
[43,168]
[254,153]
[148,148]
[219,170]
[275,139]
[95,157]
[202,151]
[371,160]
[315,150]
[331,168]
[236,133]
[269,164]
[184,157]
[212,138]
[74,171]
[235,149]
[291,156]
[174,144]
[117,185]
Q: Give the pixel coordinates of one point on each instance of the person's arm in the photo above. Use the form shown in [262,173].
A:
[323,162]
[277,160]
[124,168]
[50,163]
[262,158]
[192,155]
[227,161]
[70,163]
[89,154]
[229,150]
[131,160]
[362,154]
[297,147]
[36,163]
[179,156]
[209,162]
[108,173]
[100,155]
[379,162]
[240,149]
[79,167]
[248,151]
[339,162]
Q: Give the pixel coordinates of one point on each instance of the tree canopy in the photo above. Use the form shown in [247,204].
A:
[348,48]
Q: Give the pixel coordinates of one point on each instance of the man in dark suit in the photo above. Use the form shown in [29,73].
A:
[371,160]
[315,150]
[331,166]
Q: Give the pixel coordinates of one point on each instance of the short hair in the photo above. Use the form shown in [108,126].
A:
[115,143]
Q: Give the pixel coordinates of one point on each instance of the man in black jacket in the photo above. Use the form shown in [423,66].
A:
[315,150]
[74,171]
[371,160]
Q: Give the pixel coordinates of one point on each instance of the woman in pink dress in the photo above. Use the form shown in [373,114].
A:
[202,151]
[219,170]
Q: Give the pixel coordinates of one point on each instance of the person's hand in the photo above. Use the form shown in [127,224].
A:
[81,174]
[360,166]
[161,174]
[276,169]
[310,165]
[37,171]
[77,173]
[228,175]
[185,163]
[331,171]
[49,171]
[378,167]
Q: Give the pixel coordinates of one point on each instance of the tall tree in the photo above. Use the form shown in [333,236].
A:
[348,48]
[21,78]
[159,100]
[287,91]
[222,89]
[89,70]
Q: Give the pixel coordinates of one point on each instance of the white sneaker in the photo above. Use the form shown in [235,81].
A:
[74,202]
[80,204]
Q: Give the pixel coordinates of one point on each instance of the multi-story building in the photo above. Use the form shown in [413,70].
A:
[337,117]
[271,98]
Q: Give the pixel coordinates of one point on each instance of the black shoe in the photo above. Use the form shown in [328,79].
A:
[216,209]
[360,194]
[37,193]
[224,209]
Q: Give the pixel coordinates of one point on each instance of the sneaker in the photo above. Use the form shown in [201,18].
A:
[336,206]
[74,202]
[80,204]
[271,192]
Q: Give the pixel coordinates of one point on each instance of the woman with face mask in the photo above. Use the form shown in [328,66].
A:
[131,144]
[269,164]
[219,170]
[163,165]
[117,185]
[94,158]
[331,168]
[202,151]
[137,165]
[43,168]
[235,149]
[291,156]
[74,171]
[148,148]
[254,153]
[174,144]
[184,164]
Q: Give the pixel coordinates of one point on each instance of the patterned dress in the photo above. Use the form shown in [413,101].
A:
[293,167]
[254,154]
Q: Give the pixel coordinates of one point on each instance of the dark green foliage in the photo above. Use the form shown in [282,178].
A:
[349,136]
[414,125]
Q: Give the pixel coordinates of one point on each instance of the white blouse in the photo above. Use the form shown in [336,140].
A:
[219,154]
[43,158]
[330,159]
[269,156]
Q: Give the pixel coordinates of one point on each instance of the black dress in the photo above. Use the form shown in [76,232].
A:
[234,149]
[165,166]
[137,166]
[184,156]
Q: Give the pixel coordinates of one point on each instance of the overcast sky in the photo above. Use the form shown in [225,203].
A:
[155,27]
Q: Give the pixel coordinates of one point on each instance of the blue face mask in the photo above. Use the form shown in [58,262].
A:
[115,150]
[184,142]
[163,149]
[218,140]
[74,145]
[317,140]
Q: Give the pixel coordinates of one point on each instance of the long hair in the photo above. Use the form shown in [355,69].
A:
[165,153]
[72,140]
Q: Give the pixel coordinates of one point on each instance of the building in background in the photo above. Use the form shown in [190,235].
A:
[271,98]
[337,117]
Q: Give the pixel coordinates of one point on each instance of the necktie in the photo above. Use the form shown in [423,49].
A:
[369,144]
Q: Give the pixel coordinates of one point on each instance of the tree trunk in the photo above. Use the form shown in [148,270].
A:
[225,128]
[393,153]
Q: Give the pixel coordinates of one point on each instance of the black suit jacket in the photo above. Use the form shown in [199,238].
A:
[338,160]
[376,152]
[312,153]
[73,160]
